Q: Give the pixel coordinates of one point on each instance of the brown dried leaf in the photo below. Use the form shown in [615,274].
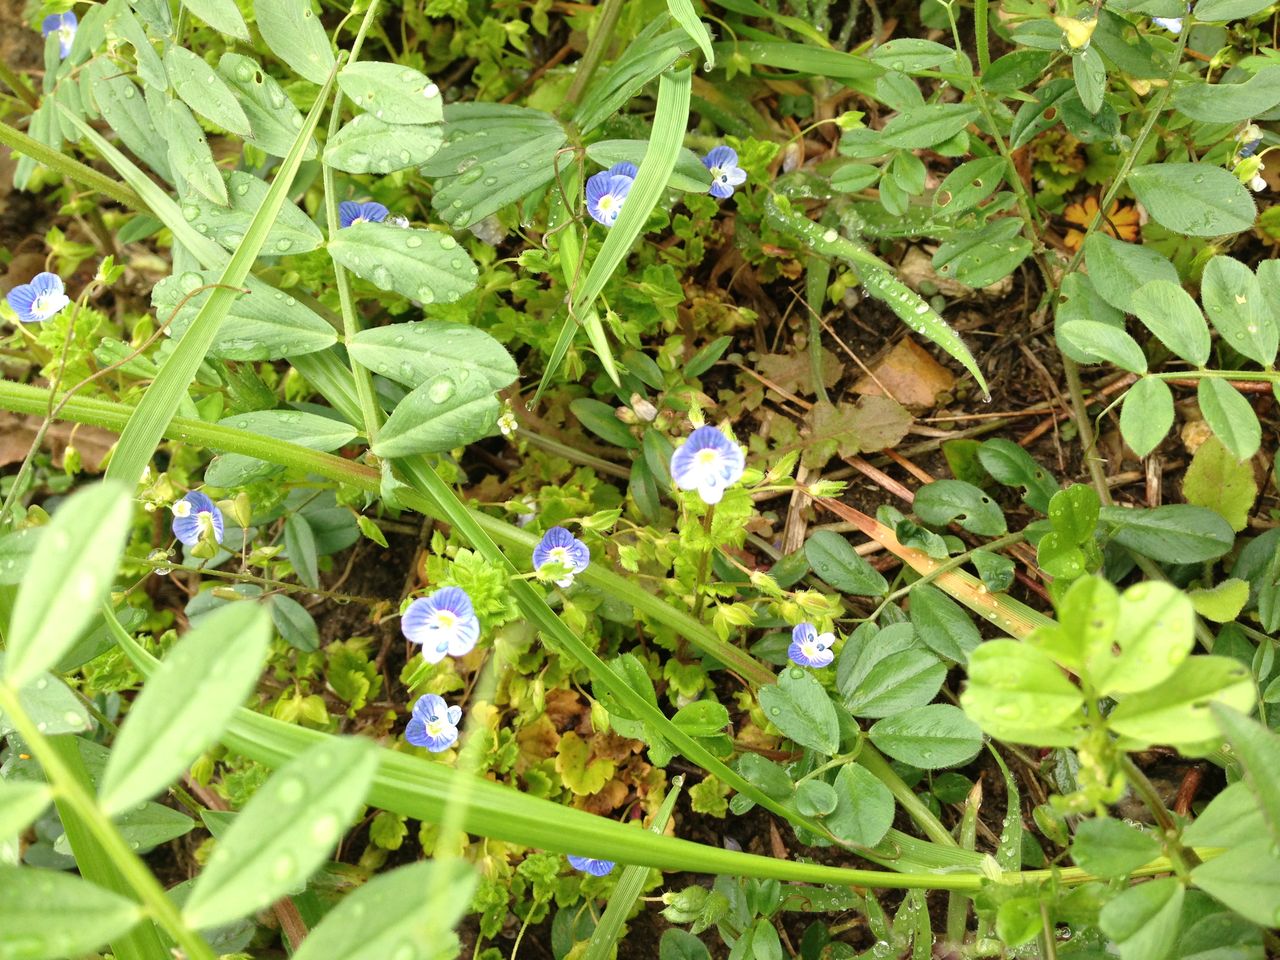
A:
[17,433]
[910,374]
[794,372]
[873,423]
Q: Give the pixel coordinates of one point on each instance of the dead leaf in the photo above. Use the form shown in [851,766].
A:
[17,433]
[794,372]
[910,374]
[873,423]
[607,799]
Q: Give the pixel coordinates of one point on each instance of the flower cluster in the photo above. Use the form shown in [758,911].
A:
[709,462]
[350,212]
[64,25]
[434,724]
[607,191]
[566,553]
[809,648]
[195,518]
[443,624]
[40,299]
[591,865]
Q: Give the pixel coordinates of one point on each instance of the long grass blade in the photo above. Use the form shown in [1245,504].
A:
[684,14]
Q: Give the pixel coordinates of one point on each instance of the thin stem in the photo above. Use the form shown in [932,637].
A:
[703,561]
[130,865]
[1080,412]
[610,10]
[958,903]
[369,410]
[1183,858]
[912,805]
[265,582]
[19,86]
[87,176]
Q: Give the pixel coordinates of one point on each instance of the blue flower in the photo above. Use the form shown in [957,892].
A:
[725,172]
[40,299]
[64,25]
[434,724]
[623,168]
[350,212]
[443,623]
[708,462]
[606,193]
[597,868]
[1172,24]
[559,546]
[809,648]
[193,516]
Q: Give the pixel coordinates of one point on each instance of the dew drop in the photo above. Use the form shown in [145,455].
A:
[412,241]
[291,790]
[441,390]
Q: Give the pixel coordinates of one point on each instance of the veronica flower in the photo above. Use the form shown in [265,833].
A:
[725,172]
[443,623]
[350,212]
[434,724]
[623,168]
[606,193]
[194,516]
[559,546]
[1172,24]
[809,648]
[40,299]
[64,25]
[597,868]
[708,462]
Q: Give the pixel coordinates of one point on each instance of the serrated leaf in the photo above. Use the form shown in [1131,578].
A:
[1230,415]
[424,265]
[284,832]
[415,352]
[295,35]
[70,573]
[293,231]
[201,89]
[391,93]
[370,145]
[272,115]
[223,15]
[47,914]
[449,410]
[1168,311]
[1195,199]
[186,704]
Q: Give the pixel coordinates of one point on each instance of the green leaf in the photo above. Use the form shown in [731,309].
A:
[1147,415]
[20,804]
[1230,415]
[802,57]
[1247,879]
[152,415]
[979,258]
[888,673]
[292,621]
[943,501]
[1105,342]
[1219,103]
[833,559]
[599,419]
[1154,633]
[1220,11]
[677,944]
[1143,920]
[410,908]
[189,155]
[264,324]
[369,145]
[1118,269]
[1090,75]
[918,128]
[300,546]
[51,705]
[644,58]
[1073,513]
[70,573]
[1109,848]
[815,798]
[284,832]
[201,89]
[770,777]
[1168,311]
[423,265]
[1014,467]
[1233,300]
[864,808]
[1258,750]
[296,36]
[683,12]
[449,410]
[293,232]
[1231,819]
[801,709]
[186,704]
[123,106]
[1017,693]
[689,174]
[1221,603]
[995,569]
[392,93]
[1177,712]
[272,115]
[308,430]
[413,353]
[1195,199]
[1176,532]
[1219,481]
[942,624]
[222,15]
[45,914]
[930,737]
[122,24]
[968,184]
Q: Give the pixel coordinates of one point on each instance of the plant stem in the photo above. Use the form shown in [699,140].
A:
[610,10]
[958,903]
[19,86]
[130,865]
[699,599]
[82,173]
[981,35]
[1080,412]
[915,808]
[1183,858]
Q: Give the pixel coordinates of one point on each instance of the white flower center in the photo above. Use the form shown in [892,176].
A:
[561,556]
[47,304]
[182,508]
[436,727]
[66,33]
[607,203]
[708,458]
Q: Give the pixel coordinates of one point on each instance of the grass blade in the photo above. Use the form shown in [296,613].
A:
[684,14]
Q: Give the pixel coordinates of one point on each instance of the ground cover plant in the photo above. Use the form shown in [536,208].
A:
[652,479]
